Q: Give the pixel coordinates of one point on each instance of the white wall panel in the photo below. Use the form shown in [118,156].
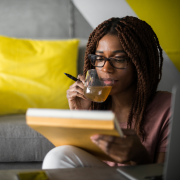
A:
[96,11]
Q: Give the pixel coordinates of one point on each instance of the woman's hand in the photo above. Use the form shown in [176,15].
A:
[75,95]
[123,149]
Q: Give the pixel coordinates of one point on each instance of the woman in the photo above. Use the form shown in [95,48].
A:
[132,56]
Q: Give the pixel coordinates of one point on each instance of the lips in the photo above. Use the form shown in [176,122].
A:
[108,81]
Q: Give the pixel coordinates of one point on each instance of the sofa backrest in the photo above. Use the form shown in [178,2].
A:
[81,53]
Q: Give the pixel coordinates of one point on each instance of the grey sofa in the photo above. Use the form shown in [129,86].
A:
[20,146]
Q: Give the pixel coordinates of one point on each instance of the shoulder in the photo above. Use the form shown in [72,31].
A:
[159,107]
[161,101]
[163,95]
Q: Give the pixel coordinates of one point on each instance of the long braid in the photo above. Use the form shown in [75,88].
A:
[138,113]
[142,46]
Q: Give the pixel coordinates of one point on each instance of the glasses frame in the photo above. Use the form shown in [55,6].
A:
[90,56]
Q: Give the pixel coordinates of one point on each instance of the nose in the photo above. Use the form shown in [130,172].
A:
[107,67]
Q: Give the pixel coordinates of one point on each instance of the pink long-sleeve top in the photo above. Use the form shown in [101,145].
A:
[157,117]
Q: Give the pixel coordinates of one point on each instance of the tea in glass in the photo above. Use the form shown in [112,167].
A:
[97,93]
[97,89]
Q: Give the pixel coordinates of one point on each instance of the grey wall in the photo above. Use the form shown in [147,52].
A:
[82,29]
[42,19]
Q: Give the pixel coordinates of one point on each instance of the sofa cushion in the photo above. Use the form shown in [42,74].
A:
[20,143]
[32,73]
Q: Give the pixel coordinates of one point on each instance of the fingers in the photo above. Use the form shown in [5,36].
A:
[128,133]
[81,77]
[76,90]
[115,139]
[121,149]
[105,142]
[116,151]
[79,84]
[75,94]
[107,138]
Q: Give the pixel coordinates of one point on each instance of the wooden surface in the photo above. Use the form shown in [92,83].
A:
[70,174]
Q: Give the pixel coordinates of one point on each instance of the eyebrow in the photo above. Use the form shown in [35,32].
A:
[113,51]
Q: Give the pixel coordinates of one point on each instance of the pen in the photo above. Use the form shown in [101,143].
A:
[71,77]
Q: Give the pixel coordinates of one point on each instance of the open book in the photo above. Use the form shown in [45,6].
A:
[74,127]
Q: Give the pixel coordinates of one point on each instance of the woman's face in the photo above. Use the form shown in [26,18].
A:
[109,46]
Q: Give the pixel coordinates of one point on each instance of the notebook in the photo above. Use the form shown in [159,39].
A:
[74,127]
[170,169]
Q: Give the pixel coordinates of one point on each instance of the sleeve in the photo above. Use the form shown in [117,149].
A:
[164,132]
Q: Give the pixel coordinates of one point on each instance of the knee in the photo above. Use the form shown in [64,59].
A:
[59,151]
[54,157]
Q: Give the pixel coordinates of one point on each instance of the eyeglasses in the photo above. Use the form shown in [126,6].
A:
[117,62]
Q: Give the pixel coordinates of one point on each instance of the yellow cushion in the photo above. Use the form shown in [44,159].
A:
[32,73]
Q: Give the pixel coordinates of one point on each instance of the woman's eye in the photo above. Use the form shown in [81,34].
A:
[99,58]
[118,59]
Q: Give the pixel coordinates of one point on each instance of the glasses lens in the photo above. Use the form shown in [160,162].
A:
[96,60]
[119,62]
[99,61]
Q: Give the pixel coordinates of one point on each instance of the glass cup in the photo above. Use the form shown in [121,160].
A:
[97,89]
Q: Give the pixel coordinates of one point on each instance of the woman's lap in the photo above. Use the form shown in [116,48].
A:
[70,157]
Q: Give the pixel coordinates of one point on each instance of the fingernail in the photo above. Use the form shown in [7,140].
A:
[94,141]
[94,137]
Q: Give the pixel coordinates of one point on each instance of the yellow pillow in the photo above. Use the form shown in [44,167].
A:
[32,73]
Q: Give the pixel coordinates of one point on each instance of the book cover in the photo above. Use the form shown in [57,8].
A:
[74,127]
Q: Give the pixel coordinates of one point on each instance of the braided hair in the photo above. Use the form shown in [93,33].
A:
[141,44]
